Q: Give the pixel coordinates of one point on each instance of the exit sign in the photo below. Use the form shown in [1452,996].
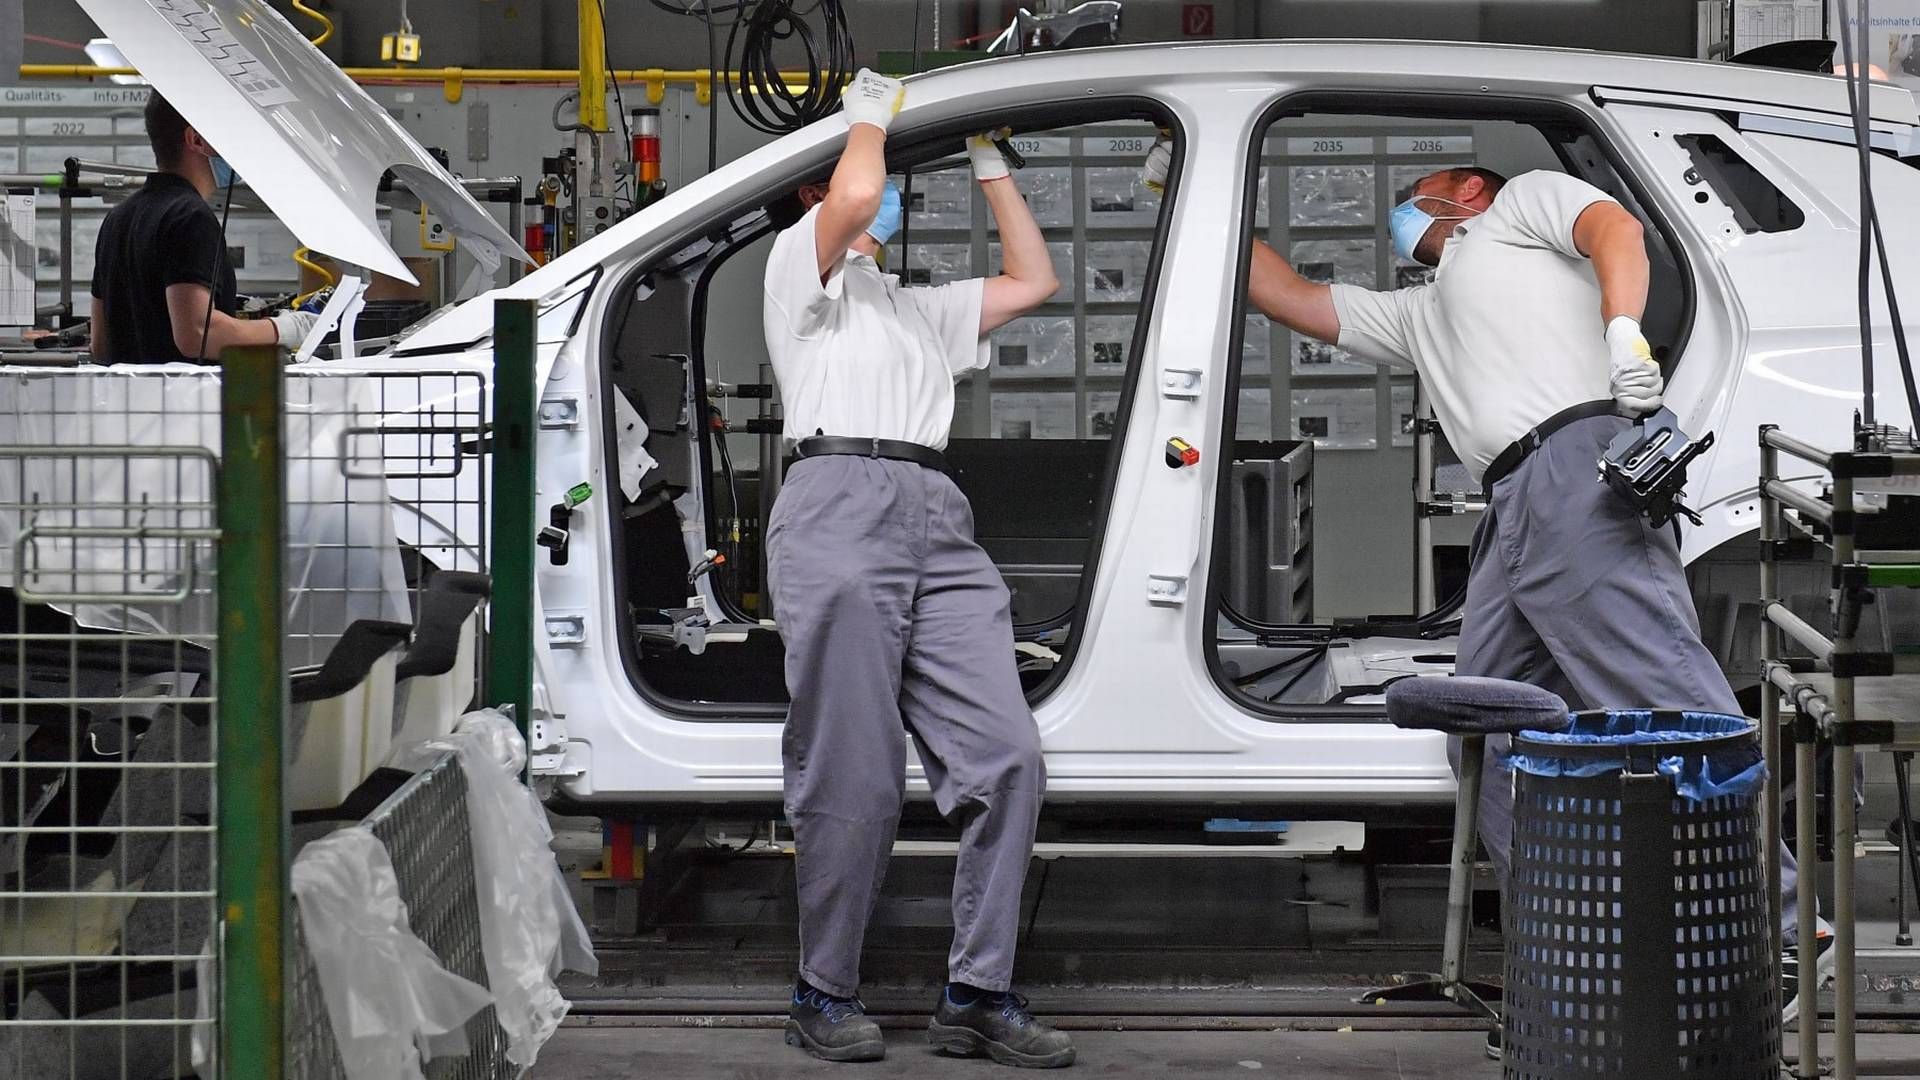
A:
[1196,20]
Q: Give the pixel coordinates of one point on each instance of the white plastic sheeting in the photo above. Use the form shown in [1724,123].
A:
[529,929]
[384,988]
[343,560]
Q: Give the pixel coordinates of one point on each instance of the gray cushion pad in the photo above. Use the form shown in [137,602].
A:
[1470,705]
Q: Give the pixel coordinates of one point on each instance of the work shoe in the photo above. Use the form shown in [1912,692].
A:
[999,1026]
[832,1028]
[1790,975]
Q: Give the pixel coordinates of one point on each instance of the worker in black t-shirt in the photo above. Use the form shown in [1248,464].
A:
[163,286]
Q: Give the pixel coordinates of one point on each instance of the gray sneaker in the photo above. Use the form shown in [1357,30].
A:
[833,1029]
[1000,1027]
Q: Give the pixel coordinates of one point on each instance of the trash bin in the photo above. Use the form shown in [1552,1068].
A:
[1636,928]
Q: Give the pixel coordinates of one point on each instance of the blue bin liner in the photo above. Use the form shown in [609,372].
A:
[1696,777]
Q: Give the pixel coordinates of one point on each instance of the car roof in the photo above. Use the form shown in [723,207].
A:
[1451,63]
[962,90]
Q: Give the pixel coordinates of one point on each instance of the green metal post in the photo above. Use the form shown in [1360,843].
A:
[251,689]
[515,404]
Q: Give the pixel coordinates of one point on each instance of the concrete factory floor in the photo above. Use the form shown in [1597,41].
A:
[604,1053]
[587,1053]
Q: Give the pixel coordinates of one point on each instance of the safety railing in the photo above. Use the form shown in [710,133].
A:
[384,486]
[425,829]
[107,758]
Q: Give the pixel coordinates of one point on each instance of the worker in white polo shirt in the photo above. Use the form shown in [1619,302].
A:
[1528,341]
[895,622]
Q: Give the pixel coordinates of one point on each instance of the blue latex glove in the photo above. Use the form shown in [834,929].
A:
[887,221]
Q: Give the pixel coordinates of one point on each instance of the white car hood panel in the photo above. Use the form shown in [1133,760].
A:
[302,135]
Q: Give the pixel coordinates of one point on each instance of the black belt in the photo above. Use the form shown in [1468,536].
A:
[891,449]
[1510,458]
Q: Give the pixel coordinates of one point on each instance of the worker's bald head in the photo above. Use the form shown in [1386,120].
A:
[1468,185]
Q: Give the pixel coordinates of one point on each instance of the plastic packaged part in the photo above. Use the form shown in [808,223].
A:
[932,264]
[1254,421]
[1310,357]
[1698,775]
[529,928]
[1103,413]
[1116,197]
[1032,416]
[1341,419]
[1116,270]
[1049,194]
[1256,346]
[1035,346]
[383,987]
[1060,253]
[1401,403]
[940,200]
[1330,195]
[1347,260]
[1109,337]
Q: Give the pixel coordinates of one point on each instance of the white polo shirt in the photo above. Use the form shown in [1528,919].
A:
[1509,332]
[861,355]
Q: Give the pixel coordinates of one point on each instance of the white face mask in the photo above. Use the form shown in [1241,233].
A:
[1408,224]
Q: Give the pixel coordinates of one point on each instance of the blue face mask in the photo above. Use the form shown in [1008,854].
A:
[1408,224]
[887,221]
[223,174]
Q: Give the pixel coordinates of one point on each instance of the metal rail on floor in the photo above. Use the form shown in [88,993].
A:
[1828,712]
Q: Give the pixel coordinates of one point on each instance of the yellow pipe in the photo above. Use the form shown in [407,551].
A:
[326,24]
[593,67]
[454,79]
[302,258]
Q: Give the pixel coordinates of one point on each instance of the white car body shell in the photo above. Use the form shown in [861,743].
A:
[1138,715]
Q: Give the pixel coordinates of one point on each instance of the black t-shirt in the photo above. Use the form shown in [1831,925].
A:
[164,234]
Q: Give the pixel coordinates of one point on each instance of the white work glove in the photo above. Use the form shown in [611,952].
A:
[1634,379]
[293,327]
[988,162]
[872,99]
[1159,160]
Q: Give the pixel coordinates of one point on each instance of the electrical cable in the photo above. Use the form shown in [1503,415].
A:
[763,98]
[219,260]
[619,101]
[731,537]
[713,107]
[1859,104]
[906,173]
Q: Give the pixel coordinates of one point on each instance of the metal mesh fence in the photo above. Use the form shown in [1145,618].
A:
[424,826]
[106,759]
[108,622]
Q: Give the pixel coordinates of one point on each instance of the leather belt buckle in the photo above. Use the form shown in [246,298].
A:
[876,447]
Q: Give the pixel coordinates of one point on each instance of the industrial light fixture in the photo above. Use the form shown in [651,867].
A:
[1055,26]
[104,53]
[403,45]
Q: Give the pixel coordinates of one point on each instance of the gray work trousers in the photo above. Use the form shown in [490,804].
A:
[897,623]
[1571,590]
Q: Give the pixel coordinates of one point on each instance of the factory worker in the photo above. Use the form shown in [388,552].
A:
[895,622]
[163,287]
[1528,342]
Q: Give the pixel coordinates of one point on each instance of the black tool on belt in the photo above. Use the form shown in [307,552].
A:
[891,449]
[1647,466]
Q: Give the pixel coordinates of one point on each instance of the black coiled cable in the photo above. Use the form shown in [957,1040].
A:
[763,99]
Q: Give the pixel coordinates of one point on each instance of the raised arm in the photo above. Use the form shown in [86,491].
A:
[1026,275]
[860,179]
[1281,294]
